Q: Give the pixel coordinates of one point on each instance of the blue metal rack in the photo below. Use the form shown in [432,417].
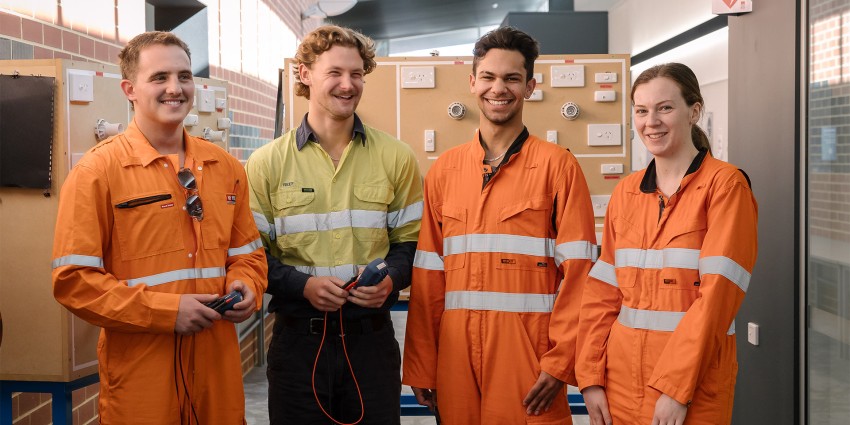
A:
[61,392]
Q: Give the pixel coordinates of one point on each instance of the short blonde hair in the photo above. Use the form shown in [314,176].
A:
[128,58]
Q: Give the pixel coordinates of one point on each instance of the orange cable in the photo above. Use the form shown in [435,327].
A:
[347,360]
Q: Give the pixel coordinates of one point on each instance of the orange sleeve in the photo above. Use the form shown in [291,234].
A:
[575,249]
[427,293]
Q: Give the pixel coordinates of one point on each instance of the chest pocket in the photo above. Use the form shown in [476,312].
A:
[218,219]
[454,237]
[527,235]
[294,224]
[628,252]
[147,224]
[683,242]
[369,212]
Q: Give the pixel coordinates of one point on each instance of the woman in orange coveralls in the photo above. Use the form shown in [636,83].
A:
[656,328]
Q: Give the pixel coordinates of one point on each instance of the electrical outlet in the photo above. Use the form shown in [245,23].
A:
[417,77]
[605,77]
[536,96]
[206,100]
[600,204]
[605,96]
[612,168]
[604,135]
[552,136]
[567,76]
[538,76]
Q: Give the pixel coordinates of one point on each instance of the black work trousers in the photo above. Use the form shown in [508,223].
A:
[375,359]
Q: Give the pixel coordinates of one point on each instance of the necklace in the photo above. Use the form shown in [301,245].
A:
[332,158]
[496,158]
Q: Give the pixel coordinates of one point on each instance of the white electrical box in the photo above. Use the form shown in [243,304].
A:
[536,96]
[430,145]
[417,77]
[567,76]
[223,123]
[612,168]
[81,88]
[605,96]
[605,77]
[206,100]
[538,76]
[552,136]
[600,204]
[191,120]
[604,135]
[753,333]
[220,103]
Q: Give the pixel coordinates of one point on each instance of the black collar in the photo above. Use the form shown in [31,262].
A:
[649,183]
[515,147]
[306,134]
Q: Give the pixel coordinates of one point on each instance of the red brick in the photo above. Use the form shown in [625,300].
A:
[101,51]
[42,416]
[28,401]
[113,54]
[52,37]
[41,53]
[88,410]
[10,25]
[70,42]
[87,47]
[31,31]
[61,55]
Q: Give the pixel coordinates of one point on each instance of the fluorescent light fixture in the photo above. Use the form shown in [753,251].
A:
[324,8]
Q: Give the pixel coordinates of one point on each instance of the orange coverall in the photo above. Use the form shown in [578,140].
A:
[488,309]
[659,306]
[121,262]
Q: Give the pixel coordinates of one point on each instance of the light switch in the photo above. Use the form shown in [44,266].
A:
[538,76]
[536,96]
[206,100]
[430,145]
[81,88]
[612,168]
[552,136]
[600,204]
[190,120]
[753,333]
[605,77]
[220,103]
[605,95]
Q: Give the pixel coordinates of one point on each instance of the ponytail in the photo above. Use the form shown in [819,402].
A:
[700,139]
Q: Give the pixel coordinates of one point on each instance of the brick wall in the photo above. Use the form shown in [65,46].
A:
[248,45]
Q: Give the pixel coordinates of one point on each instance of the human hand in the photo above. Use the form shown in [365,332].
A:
[242,310]
[192,315]
[542,393]
[372,296]
[325,293]
[596,403]
[425,397]
[669,411]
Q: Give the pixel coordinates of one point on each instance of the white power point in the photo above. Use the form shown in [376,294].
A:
[536,96]
[417,77]
[605,77]
[600,204]
[753,333]
[206,100]
[430,146]
[603,135]
[538,76]
[612,168]
[552,136]
[605,96]
[567,76]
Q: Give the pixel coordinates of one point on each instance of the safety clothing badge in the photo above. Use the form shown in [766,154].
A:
[231,198]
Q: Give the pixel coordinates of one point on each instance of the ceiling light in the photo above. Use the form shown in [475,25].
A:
[495,5]
[324,8]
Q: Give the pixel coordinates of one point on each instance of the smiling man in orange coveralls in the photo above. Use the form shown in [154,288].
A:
[140,246]
[491,325]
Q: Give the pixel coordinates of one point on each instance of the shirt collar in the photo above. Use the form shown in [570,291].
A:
[305,133]
[649,183]
[515,146]
[143,153]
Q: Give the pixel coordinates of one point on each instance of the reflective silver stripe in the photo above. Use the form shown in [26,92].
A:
[604,272]
[428,260]
[664,321]
[578,250]
[500,301]
[508,244]
[175,275]
[245,249]
[263,225]
[330,221]
[405,215]
[78,260]
[344,272]
[727,268]
[680,258]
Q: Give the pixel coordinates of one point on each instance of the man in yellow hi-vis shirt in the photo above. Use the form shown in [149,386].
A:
[329,197]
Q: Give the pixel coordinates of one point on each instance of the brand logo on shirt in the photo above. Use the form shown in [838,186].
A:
[508,261]
[669,281]
[542,264]
[168,205]
[286,184]
[231,198]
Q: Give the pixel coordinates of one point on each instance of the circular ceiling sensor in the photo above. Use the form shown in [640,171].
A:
[457,110]
[570,111]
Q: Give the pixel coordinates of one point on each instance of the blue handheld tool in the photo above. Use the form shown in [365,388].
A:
[222,304]
[374,272]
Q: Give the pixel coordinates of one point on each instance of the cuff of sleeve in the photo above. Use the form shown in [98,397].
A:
[672,391]
[398,278]
[567,376]
[164,309]
[296,284]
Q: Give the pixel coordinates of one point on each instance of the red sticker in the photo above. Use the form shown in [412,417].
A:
[168,205]
[231,198]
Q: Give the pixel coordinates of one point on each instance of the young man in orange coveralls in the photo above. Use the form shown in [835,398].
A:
[506,243]
[152,224]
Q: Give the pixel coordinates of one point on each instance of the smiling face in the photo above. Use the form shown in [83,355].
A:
[662,117]
[162,89]
[500,85]
[336,82]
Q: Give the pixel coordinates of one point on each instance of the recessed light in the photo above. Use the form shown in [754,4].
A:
[495,5]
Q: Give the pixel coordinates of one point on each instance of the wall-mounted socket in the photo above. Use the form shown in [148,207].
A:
[536,96]
[552,136]
[600,204]
[81,88]
[753,333]
[538,76]
[206,100]
[417,77]
[612,168]
[567,76]
[605,77]
[430,144]
[605,96]
[604,135]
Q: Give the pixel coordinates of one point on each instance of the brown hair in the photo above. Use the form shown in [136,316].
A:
[321,40]
[688,85]
[507,38]
[128,58]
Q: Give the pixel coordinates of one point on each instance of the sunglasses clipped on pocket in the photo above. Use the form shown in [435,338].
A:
[194,206]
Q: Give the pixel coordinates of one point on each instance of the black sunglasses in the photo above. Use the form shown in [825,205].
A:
[194,206]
